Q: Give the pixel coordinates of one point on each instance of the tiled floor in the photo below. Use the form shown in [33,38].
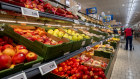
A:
[127,65]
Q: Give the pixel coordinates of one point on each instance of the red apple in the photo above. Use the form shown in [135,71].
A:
[7,46]
[9,51]
[12,66]
[60,42]
[31,56]
[5,61]
[0,53]
[19,47]
[24,51]
[5,38]
[18,58]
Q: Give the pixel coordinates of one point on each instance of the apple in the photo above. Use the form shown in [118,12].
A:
[9,51]
[18,58]
[19,47]
[5,61]
[24,51]
[12,66]
[0,53]
[7,46]
[31,56]
[5,38]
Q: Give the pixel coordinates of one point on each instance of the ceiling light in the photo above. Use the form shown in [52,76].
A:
[123,5]
[108,12]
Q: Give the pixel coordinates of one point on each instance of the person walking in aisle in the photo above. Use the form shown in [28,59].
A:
[115,31]
[128,34]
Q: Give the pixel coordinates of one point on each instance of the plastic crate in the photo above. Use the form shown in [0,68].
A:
[76,45]
[102,54]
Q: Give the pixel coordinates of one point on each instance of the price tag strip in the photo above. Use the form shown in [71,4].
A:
[66,53]
[76,21]
[101,42]
[47,67]
[87,24]
[91,40]
[88,48]
[83,43]
[29,12]
[19,76]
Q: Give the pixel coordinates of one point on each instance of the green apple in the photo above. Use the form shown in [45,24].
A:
[87,37]
[56,31]
[74,38]
[70,37]
[66,30]
[60,34]
[50,31]
[69,31]
[65,35]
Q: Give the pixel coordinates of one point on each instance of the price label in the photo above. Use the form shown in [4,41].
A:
[88,48]
[83,43]
[76,21]
[66,53]
[91,40]
[47,67]
[87,24]
[103,37]
[1,29]
[29,12]
[101,42]
[19,76]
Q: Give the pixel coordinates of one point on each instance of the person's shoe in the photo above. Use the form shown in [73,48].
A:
[130,49]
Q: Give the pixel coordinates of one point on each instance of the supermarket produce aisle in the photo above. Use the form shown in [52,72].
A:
[127,65]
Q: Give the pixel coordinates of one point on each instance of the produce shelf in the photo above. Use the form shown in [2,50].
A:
[31,72]
[15,8]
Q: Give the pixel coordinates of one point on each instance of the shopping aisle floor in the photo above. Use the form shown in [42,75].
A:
[127,65]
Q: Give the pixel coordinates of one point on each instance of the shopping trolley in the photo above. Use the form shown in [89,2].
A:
[122,41]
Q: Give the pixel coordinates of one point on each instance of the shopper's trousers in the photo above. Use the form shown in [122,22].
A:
[129,41]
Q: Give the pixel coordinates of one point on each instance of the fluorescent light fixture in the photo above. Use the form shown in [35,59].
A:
[123,5]
[131,9]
